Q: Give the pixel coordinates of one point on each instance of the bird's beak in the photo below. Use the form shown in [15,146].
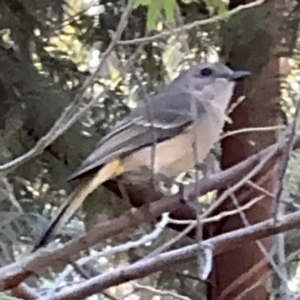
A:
[237,75]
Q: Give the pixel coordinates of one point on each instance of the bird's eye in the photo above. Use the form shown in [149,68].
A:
[206,72]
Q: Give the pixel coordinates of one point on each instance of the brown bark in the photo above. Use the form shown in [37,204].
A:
[14,274]
[251,40]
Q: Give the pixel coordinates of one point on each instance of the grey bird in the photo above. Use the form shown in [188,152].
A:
[197,99]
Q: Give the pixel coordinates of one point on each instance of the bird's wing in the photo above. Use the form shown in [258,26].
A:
[154,122]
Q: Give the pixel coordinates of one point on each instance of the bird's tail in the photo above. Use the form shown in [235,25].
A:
[75,200]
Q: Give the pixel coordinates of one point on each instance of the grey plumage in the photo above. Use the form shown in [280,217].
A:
[162,117]
[140,130]
[165,120]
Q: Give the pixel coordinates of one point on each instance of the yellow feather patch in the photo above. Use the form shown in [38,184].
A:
[110,171]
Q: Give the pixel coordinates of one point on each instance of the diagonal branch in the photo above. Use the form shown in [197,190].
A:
[14,274]
[190,26]
[71,113]
[150,265]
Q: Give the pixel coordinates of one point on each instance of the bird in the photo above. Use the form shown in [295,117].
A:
[156,138]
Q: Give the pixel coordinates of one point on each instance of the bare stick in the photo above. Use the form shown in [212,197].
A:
[191,25]
[285,159]
[145,267]
[69,116]
[15,273]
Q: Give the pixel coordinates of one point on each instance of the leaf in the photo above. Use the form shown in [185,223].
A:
[169,7]
[141,2]
[153,14]
[154,7]
[218,5]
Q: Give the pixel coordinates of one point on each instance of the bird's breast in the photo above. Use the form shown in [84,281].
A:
[177,155]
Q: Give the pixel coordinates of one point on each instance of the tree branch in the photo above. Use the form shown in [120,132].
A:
[14,274]
[190,25]
[23,291]
[72,112]
[147,266]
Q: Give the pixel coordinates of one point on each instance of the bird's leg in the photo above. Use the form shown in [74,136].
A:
[154,183]
[182,195]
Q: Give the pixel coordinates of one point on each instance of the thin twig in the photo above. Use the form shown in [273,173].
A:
[13,274]
[80,271]
[142,268]
[11,195]
[220,216]
[240,183]
[25,292]
[285,159]
[194,114]
[173,241]
[150,115]
[109,252]
[71,18]
[257,187]
[192,223]
[191,25]
[228,192]
[281,254]
[251,129]
[259,243]
[69,116]
[153,290]
[254,285]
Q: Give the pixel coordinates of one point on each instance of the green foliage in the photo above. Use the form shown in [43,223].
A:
[155,7]
[40,80]
[45,53]
[169,7]
[153,13]
[43,64]
[219,6]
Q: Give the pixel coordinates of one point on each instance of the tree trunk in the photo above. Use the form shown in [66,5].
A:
[252,46]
